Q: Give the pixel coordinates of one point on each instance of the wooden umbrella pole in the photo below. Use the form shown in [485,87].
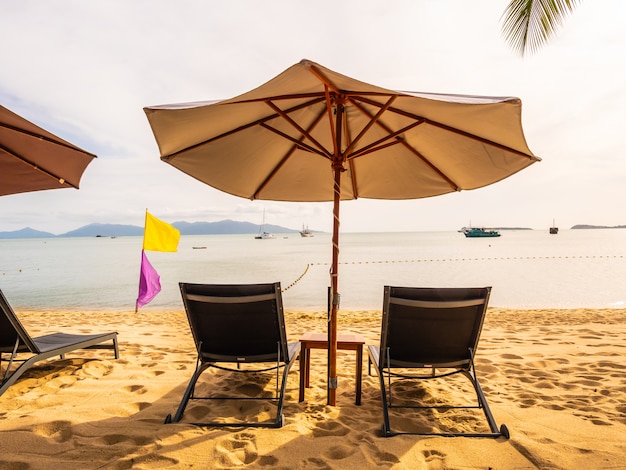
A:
[334,300]
[338,168]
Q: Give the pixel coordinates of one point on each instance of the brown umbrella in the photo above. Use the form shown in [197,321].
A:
[311,134]
[33,159]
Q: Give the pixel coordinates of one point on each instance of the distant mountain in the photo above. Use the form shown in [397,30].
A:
[224,227]
[26,233]
[105,230]
[574,227]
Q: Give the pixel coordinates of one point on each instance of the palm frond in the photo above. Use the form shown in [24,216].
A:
[529,24]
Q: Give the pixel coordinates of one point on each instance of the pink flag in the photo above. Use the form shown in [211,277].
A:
[149,282]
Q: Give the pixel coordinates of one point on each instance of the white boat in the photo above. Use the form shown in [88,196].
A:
[263,235]
[305,232]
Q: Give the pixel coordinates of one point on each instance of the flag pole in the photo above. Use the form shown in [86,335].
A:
[143,240]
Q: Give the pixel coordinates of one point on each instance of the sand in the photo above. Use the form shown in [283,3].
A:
[556,378]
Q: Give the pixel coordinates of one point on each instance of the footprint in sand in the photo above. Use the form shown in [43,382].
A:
[330,428]
[236,450]
[434,456]
[511,356]
[60,431]
[386,457]
[249,389]
[149,461]
[314,464]
[137,389]
[128,409]
[197,412]
[113,439]
[97,368]
[148,374]
[339,452]
[62,381]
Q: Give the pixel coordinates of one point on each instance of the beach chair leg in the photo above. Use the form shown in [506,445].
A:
[386,427]
[482,400]
[116,348]
[187,395]
[283,387]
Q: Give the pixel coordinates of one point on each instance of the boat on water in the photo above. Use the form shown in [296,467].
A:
[554,229]
[475,232]
[263,235]
[199,247]
[305,232]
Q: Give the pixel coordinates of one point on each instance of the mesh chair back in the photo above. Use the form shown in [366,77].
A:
[430,326]
[236,322]
[11,328]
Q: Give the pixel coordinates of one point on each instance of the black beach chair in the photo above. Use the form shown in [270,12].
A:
[429,333]
[238,328]
[16,342]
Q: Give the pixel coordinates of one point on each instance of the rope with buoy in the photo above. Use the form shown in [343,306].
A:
[439,260]
[298,279]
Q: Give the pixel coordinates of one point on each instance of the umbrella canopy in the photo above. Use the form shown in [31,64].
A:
[33,159]
[312,134]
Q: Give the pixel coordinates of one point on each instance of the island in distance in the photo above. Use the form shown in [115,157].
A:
[224,227]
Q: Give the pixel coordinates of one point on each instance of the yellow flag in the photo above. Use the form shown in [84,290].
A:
[159,235]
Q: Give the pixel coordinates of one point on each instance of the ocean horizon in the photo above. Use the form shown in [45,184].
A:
[528,269]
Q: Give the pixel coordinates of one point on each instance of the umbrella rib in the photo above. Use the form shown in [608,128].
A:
[319,96]
[297,144]
[454,130]
[25,161]
[35,135]
[418,154]
[353,170]
[379,144]
[321,77]
[273,172]
[415,152]
[371,122]
[297,126]
[333,131]
[317,99]
[371,149]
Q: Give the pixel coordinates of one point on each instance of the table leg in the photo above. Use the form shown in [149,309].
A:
[359,373]
[303,371]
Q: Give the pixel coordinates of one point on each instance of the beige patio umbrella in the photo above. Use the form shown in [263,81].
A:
[312,134]
[33,159]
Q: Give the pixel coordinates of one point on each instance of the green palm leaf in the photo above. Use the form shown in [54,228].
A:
[529,24]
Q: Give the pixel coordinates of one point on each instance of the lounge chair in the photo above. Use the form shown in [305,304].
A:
[237,328]
[16,342]
[429,333]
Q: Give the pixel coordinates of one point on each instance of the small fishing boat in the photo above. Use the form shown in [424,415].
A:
[554,229]
[199,247]
[474,232]
[305,232]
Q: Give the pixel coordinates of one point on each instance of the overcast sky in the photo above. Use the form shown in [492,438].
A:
[84,70]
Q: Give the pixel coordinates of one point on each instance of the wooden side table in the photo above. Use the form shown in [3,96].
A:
[310,341]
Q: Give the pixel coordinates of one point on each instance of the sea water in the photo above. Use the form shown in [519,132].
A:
[527,269]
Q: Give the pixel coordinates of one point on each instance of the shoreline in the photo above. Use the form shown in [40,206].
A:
[555,377]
